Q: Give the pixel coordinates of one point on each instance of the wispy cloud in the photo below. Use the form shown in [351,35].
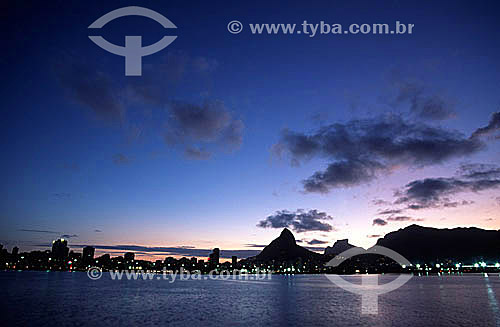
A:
[39,231]
[121,159]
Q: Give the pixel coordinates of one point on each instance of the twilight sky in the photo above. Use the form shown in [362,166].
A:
[226,139]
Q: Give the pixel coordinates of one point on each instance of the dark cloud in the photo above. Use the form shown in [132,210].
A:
[403,218]
[424,104]
[342,174]
[39,231]
[492,127]
[374,236]
[360,150]
[92,89]
[316,242]
[121,159]
[197,154]
[390,211]
[97,231]
[379,202]
[379,222]
[69,236]
[300,221]
[435,192]
[251,245]
[479,171]
[210,124]
[176,70]
[61,195]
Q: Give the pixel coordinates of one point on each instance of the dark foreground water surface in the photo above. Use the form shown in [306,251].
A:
[72,299]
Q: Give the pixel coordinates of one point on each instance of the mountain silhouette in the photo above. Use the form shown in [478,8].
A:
[425,244]
[339,247]
[285,248]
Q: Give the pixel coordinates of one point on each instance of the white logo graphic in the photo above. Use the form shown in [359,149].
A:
[94,273]
[133,51]
[369,288]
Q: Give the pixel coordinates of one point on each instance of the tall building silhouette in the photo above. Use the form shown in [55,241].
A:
[234,260]
[214,257]
[60,249]
[15,250]
[88,255]
[129,256]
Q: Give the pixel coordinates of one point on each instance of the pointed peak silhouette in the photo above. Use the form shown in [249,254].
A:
[287,234]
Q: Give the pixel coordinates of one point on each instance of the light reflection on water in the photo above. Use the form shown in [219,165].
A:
[40,298]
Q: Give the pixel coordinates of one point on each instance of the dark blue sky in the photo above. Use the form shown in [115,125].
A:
[195,151]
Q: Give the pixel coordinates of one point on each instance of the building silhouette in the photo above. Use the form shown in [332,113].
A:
[129,256]
[88,255]
[214,257]
[60,249]
[234,260]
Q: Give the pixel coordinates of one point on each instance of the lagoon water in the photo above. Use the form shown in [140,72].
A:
[72,299]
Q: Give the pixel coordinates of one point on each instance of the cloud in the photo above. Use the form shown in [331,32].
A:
[479,171]
[403,218]
[90,88]
[69,236]
[374,236]
[38,231]
[300,221]
[390,211]
[61,195]
[176,70]
[316,242]
[423,104]
[210,123]
[379,222]
[121,159]
[131,102]
[360,150]
[97,231]
[342,174]
[197,154]
[435,192]
[379,202]
[492,127]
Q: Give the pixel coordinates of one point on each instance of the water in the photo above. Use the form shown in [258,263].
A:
[71,299]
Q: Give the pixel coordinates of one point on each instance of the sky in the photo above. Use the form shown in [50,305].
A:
[227,138]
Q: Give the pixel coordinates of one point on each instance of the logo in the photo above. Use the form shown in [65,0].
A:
[94,273]
[234,27]
[369,288]
[133,51]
